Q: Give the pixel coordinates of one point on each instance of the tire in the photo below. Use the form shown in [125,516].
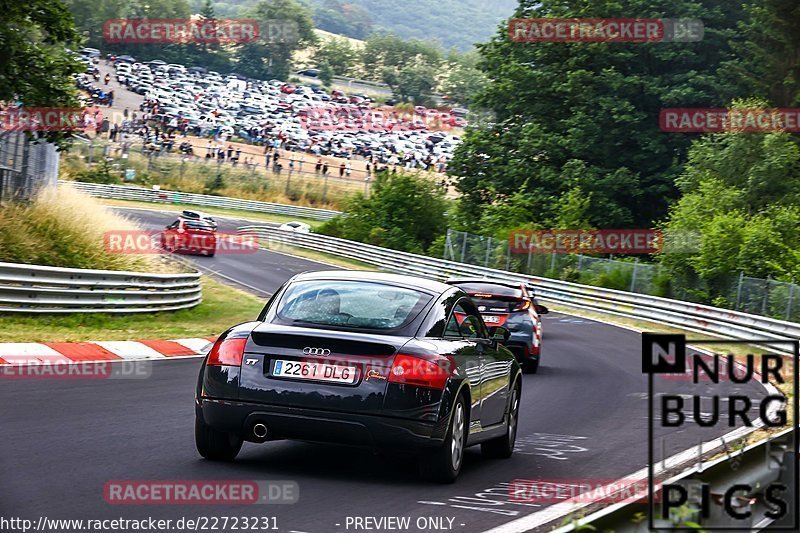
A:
[531,365]
[503,447]
[215,445]
[444,464]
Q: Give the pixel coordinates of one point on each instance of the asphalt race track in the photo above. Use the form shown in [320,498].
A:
[583,417]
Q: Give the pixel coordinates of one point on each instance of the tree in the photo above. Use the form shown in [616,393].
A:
[325,73]
[593,107]
[338,53]
[212,56]
[404,212]
[741,197]
[37,67]
[768,63]
[271,57]
[412,82]
[463,80]
[90,15]
[390,51]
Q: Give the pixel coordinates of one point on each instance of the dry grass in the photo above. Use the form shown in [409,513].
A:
[65,228]
[196,176]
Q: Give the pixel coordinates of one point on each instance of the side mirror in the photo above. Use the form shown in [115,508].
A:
[499,333]
[542,310]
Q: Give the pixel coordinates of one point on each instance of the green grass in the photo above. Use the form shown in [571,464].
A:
[232,213]
[222,307]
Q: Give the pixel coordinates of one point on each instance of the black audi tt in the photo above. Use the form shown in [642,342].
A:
[366,359]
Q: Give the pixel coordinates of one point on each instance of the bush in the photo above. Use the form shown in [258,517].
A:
[405,212]
[214,184]
[99,174]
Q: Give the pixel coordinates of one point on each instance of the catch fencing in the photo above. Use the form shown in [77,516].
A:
[25,165]
[768,297]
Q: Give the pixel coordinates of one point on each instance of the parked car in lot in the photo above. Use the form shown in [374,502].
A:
[513,306]
[347,125]
[190,236]
[297,227]
[367,359]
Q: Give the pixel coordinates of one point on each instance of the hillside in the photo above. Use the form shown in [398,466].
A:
[454,23]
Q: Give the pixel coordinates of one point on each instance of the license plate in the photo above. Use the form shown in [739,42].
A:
[315,371]
[491,319]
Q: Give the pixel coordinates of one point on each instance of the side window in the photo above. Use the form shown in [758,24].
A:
[464,322]
[452,329]
[439,315]
[472,326]
[174,225]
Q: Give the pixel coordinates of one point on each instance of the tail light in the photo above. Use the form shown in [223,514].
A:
[522,306]
[431,372]
[227,352]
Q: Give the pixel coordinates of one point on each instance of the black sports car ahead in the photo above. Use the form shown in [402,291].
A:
[367,359]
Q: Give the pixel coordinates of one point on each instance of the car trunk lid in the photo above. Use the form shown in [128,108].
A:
[314,369]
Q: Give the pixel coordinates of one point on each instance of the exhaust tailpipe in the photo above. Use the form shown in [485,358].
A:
[260,431]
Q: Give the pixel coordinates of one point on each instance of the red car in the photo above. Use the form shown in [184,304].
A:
[288,88]
[190,236]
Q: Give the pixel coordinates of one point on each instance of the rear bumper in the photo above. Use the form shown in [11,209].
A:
[321,426]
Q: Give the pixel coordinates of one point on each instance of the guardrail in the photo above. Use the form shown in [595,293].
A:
[42,289]
[128,192]
[757,466]
[742,467]
[693,317]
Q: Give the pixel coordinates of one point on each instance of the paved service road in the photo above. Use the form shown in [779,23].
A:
[583,417]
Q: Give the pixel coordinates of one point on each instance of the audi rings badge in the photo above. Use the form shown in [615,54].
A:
[308,350]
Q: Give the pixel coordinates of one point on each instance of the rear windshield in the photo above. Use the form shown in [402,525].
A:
[353,304]
[198,225]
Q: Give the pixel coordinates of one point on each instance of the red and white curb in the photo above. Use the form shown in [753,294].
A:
[36,353]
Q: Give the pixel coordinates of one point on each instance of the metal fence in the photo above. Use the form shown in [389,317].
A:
[25,166]
[759,296]
[42,289]
[126,192]
[689,316]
